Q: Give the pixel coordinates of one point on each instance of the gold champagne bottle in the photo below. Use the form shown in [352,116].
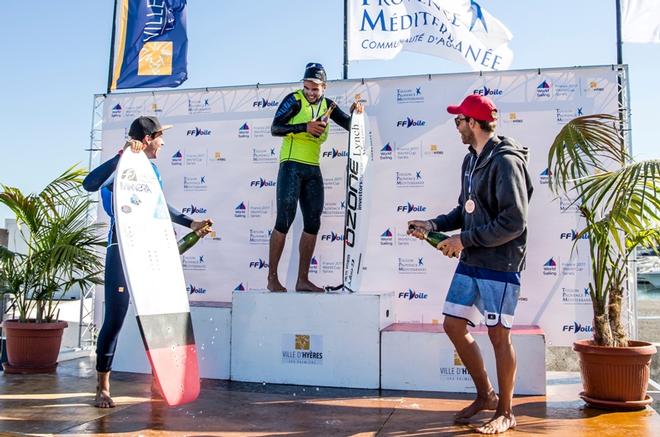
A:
[325,117]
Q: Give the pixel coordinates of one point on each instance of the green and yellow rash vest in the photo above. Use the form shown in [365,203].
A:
[303,147]
[290,122]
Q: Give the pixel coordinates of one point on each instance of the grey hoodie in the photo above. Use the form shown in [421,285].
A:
[494,236]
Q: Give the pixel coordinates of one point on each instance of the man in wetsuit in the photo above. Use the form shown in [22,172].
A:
[146,134]
[299,177]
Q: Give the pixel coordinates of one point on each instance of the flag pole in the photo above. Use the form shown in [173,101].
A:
[112,46]
[345,75]
[619,61]
[619,43]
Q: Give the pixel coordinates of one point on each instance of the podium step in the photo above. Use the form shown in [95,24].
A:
[421,357]
[211,325]
[307,338]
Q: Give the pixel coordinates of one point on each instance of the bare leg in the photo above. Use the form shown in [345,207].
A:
[307,244]
[469,352]
[277,240]
[505,359]
[102,398]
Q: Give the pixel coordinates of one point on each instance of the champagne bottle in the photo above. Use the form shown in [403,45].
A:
[189,240]
[326,115]
[431,237]
[434,238]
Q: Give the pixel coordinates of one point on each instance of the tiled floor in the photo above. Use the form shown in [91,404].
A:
[61,404]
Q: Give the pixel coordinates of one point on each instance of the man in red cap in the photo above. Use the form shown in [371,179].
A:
[492,216]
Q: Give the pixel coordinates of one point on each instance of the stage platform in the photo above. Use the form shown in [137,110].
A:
[60,404]
[308,338]
[431,362]
[212,327]
[332,340]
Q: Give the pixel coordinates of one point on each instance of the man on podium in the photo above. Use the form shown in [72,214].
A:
[492,216]
[303,120]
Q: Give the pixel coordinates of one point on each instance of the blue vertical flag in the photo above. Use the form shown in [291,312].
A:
[151,45]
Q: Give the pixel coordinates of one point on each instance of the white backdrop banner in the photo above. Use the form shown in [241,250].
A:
[220,161]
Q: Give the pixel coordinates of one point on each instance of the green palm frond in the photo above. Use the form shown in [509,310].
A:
[62,188]
[63,245]
[619,200]
[585,144]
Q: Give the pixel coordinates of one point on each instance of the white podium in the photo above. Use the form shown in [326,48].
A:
[211,325]
[308,338]
[421,357]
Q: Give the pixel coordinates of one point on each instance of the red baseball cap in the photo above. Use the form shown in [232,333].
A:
[477,107]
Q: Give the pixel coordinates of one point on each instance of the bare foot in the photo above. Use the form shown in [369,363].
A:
[275,286]
[302,285]
[103,399]
[479,404]
[498,424]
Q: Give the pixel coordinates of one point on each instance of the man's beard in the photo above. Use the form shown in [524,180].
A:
[468,138]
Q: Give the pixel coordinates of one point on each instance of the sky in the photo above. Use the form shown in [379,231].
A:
[55,58]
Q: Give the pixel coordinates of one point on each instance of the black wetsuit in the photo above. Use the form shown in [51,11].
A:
[297,181]
[116,290]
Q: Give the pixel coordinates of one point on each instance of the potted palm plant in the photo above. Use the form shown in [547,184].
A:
[61,252]
[620,203]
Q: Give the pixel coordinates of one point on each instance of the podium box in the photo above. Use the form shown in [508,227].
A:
[308,338]
[211,325]
[421,357]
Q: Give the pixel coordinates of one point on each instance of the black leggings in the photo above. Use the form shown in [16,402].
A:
[297,181]
[116,305]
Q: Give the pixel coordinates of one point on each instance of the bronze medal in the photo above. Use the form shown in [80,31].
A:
[469,206]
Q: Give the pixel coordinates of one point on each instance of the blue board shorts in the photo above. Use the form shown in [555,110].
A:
[476,292]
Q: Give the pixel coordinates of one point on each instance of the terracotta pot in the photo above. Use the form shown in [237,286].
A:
[32,347]
[615,377]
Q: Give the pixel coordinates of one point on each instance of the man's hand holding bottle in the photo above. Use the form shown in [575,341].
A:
[423,229]
[419,228]
[316,127]
[202,227]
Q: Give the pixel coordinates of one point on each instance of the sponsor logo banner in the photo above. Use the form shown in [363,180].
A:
[575,296]
[411,266]
[265,104]
[577,328]
[488,92]
[303,349]
[264,156]
[193,289]
[260,236]
[195,183]
[253,210]
[193,263]
[409,95]
[199,106]
[411,294]
[409,179]
[198,132]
